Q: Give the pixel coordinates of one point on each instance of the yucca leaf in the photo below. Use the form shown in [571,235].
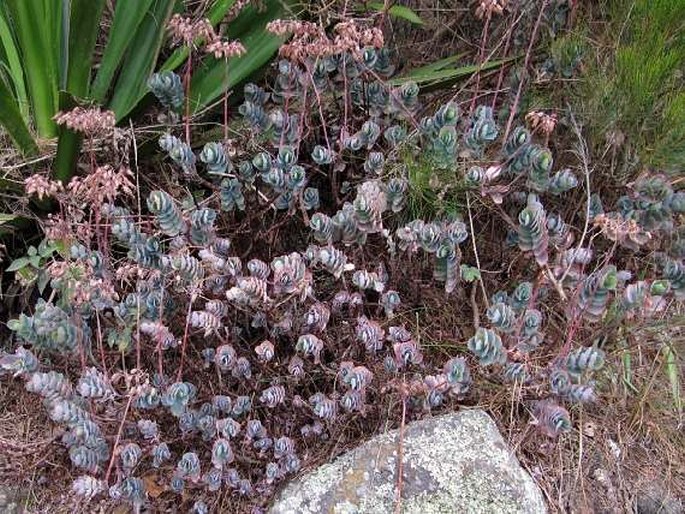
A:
[210,82]
[84,25]
[212,78]
[140,59]
[15,68]
[38,25]
[128,15]
[441,77]
[69,144]
[13,122]
[398,11]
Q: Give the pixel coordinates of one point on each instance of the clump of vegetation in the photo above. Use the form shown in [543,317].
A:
[206,332]
[634,91]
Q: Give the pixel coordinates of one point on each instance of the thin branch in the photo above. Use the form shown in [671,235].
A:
[179,375]
[475,250]
[583,152]
[116,441]
[526,61]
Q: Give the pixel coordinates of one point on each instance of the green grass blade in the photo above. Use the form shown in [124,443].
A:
[84,25]
[128,15]
[6,218]
[673,374]
[439,79]
[38,27]
[15,68]
[13,122]
[435,66]
[140,60]
[398,11]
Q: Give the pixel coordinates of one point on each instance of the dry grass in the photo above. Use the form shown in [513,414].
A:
[619,448]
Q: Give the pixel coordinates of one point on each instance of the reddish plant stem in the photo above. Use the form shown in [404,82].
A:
[318,101]
[226,107]
[101,347]
[118,438]
[185,339]
[500,77]
[481,55]
[305,121]
[331,172]
[526,61]
[189,68]
[138,352]
[343,132]
[160,362]
[286,106]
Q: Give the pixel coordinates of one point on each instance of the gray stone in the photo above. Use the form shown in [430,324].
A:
[452,463]
[655,499]
[10,501]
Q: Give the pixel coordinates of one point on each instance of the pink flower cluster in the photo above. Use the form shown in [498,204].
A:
[489,7]
[310,40]
[90,121]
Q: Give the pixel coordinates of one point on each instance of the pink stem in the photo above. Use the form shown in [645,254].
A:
[514,107]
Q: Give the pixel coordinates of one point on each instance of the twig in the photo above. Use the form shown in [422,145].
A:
[188,75]
[555,283]
[483,43]
[500,77]
[100,344]
[474,306]
[514,106]
[116,441]
[475,250]
[185,338]
[583,152]
[226,107]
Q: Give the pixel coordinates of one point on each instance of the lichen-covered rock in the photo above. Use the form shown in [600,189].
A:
[453,463]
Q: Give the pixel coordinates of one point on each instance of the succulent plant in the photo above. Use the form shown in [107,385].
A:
[532,232]
[167,87]
[487,346]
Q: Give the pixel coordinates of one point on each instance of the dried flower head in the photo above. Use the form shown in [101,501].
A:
[91,121]
[235,10]
[624,231]
[41,186]
[103,184]
[542,122]
[487,8]
[186,31]
[350,35]
[58,228]
[310,40]
[295,27]
[225,49]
